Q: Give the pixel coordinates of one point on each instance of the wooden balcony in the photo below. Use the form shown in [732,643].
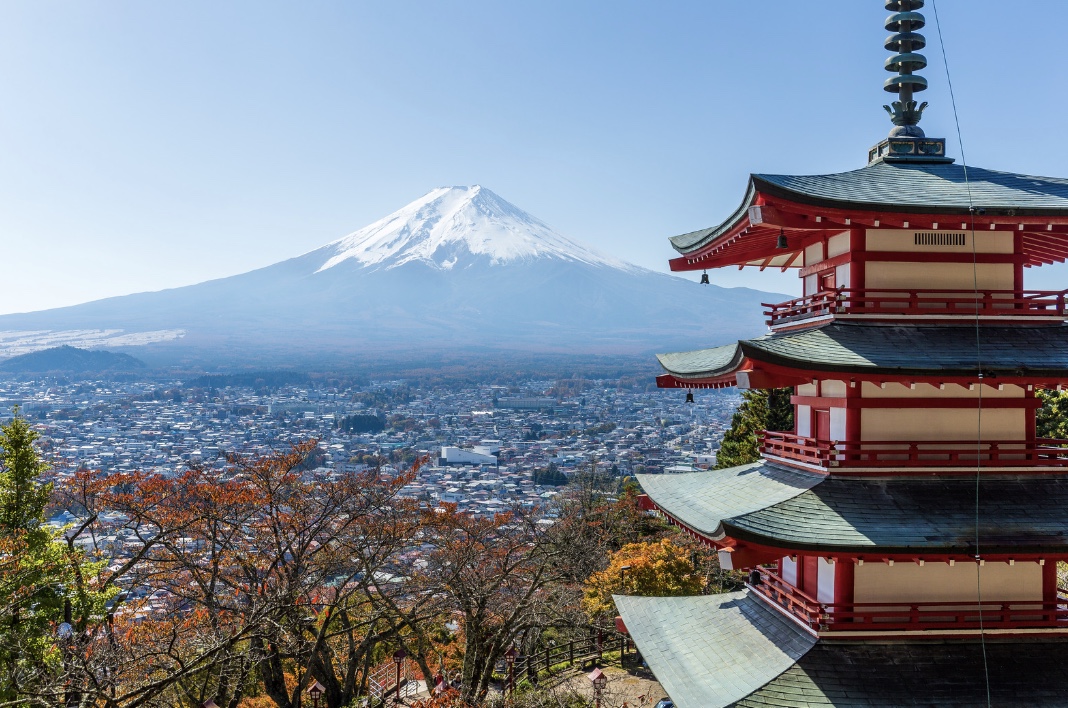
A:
[1042,453]
[927,304]
[832,618]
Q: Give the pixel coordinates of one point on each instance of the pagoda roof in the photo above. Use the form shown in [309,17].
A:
[1022,673]
[702,500]
[712,650]
[765,505]
[870,348]
[810,206]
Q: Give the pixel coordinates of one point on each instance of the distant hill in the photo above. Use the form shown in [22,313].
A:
[70,359]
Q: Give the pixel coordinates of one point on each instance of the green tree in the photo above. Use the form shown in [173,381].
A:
[1051,420]
[44,581]
[550,476]
[761,409]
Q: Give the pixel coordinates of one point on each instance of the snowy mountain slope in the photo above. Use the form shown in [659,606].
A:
[457,268]
[451,227]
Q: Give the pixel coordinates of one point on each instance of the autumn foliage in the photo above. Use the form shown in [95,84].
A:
[245,584]
[652,568]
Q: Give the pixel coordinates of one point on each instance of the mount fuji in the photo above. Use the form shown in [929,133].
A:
[457,268]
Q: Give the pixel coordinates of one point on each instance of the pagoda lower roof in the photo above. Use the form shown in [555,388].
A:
[712,650]
[715,651]
[922,188]
[766,505]
[893,675]
[871,348]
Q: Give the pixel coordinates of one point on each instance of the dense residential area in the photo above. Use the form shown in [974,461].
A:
[507,432]
[232,539]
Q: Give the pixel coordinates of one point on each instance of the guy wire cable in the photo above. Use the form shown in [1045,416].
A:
[978,354]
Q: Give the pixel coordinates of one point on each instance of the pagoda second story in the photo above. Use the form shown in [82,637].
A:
[914,315]
[914,498]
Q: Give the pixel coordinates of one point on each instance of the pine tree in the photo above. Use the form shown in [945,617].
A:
[761,409]
[43,582]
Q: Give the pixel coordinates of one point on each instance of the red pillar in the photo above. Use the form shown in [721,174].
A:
[843,581]
[1017,268]
[856,266]
[1030,417]
[852,414]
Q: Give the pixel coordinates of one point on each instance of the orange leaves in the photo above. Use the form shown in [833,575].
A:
[655,568]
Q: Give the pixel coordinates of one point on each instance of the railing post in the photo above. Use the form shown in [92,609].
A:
[600,641]
[571,653]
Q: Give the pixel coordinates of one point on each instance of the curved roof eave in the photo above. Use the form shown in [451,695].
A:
[918,188]
[690,242]
[716,361]
[713,650]
[702,500]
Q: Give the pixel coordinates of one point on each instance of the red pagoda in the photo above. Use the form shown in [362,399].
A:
[902,541]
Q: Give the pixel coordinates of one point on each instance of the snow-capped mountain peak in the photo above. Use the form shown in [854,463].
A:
[457,227]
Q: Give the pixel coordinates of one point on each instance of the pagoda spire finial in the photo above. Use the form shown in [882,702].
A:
[905,113]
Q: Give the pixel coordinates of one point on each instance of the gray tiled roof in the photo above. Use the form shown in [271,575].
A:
[924,187]
[712,650]
[773,506]
[902,187]
[853,347]
[893,675]
[701,500]
[917,514]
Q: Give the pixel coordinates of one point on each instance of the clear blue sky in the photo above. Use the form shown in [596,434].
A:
[148,144]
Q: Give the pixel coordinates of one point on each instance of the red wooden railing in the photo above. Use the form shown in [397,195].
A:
[790,598]
[853,301]
[884,616]
[1041,452]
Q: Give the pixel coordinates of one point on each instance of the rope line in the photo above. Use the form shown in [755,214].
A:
[978,354]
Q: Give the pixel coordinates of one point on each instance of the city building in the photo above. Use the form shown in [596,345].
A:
[458,456]
[902,541]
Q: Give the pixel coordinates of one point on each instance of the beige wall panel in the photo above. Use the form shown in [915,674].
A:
[842,277]
[804,421]
[941,582]
[813,254]
[903,240]
[825,580]
[922,390]
[806,390]
[833,389]
[838,244]
[789,570]
[932,424]
[893,275]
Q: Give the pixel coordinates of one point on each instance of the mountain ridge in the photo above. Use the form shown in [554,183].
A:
[458,268]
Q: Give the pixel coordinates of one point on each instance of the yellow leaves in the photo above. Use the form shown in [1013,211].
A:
[656,569]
